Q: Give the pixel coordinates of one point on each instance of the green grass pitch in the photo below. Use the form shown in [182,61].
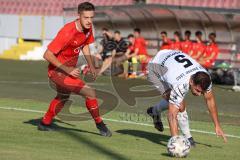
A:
[25,95]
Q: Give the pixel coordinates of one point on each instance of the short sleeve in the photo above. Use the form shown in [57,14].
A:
[178,93]
[60,41]
[209,88]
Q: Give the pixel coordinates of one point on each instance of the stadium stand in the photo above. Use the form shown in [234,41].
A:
[228,4]
[16,51]
[125,19]
[49,7]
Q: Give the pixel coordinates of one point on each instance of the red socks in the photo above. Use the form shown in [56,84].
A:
[57,104]
[55,107]
[92,106]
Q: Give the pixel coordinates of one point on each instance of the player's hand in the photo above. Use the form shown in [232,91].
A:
[93,72]
[219,132]
[75,72]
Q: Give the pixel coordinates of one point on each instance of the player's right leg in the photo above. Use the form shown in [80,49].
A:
[55,107]
[155,113]
[183,123]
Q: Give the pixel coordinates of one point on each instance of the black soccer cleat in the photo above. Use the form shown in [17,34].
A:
[43,127]
[156,120]
[192,142]
[104,131]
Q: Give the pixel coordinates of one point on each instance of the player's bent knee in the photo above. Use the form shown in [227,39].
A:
[88,92]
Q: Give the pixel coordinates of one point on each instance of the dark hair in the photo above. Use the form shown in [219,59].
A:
[198,33]
[177,33]
[164,32]
[202,79]
[85,6]
[213,34]
[187,33]
[117,32]
[137,30]
[105,29]
[130,36]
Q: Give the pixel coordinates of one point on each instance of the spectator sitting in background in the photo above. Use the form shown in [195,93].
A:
[176,45]
[140,53]
[129,54]
[186,45]
[211,52]
[106,44]
[119,48]
[166,42]
[198,47]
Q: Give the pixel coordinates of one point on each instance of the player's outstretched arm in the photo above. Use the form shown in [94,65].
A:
[172,119]
[211,104]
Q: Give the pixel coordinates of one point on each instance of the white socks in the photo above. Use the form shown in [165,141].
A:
[184,124]
[182,117]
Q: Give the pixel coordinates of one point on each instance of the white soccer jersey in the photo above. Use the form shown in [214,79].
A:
[178,69]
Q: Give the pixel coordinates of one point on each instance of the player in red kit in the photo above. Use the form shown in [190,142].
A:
[198,47]
[176,45]
[211,52]
[62,54]
[166,42]
[186,45]
[140,53]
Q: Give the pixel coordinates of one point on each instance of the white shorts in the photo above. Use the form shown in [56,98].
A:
[154,76]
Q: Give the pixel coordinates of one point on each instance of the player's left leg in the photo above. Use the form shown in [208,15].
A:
[93,107]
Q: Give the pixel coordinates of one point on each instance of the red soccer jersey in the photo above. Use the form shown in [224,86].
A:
[198,47]
[131,48]
[211,50]
[140,43]
[166,45]
[186,46]
[67,44]
[176,46]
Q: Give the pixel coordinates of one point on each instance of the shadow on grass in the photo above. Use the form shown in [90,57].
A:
[166,155]
[207,145]
[153,137]
[56,127]
[73,134]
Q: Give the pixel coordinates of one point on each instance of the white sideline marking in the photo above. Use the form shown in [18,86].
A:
[119,121]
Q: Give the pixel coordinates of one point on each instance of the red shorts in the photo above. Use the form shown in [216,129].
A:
[64,83]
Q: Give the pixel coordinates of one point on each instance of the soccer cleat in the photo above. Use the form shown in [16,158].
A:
[43,127]
[156,120]
[104,131]
[192,142]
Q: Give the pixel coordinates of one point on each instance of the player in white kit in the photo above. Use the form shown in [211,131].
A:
[174,73]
